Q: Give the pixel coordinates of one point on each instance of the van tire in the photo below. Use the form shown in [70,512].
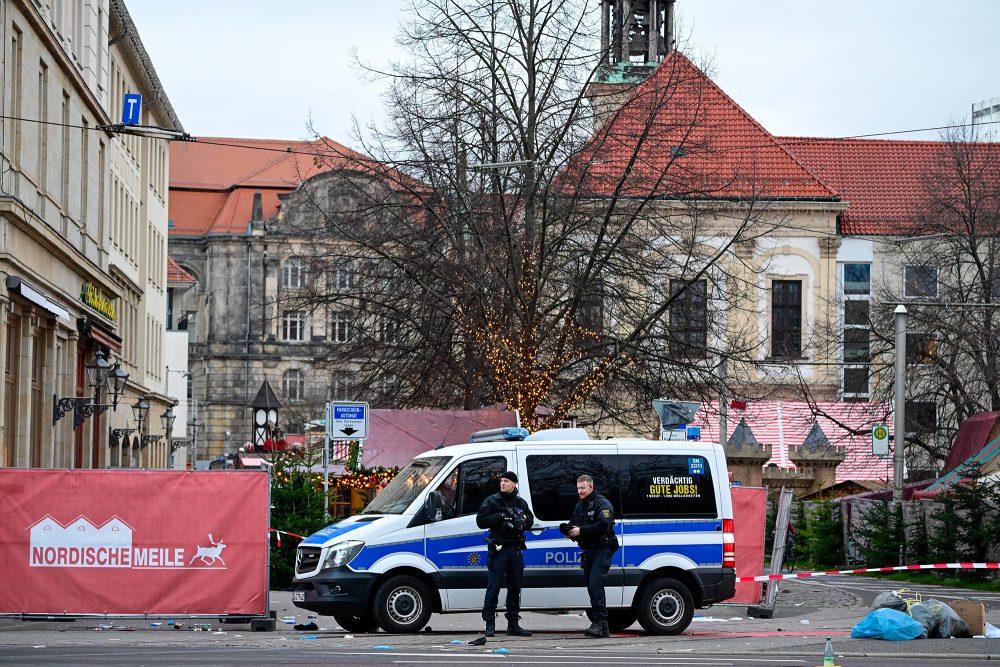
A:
[364,623]
[402,604]
[620,619]
[665,607]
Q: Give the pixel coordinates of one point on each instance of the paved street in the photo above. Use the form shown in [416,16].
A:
[807,612]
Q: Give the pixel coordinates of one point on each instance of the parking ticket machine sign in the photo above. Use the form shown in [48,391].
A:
[348,421]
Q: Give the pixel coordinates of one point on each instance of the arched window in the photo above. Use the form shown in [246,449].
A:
[293,384]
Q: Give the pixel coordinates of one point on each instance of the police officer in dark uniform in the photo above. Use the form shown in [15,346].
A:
[507,516]
[592,527]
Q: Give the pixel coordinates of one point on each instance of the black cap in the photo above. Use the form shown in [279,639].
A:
[511,475]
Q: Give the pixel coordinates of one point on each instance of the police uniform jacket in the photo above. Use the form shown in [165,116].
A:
[595,516]
[507,516]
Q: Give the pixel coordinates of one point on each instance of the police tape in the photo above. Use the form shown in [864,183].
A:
[865,570]
[279,533]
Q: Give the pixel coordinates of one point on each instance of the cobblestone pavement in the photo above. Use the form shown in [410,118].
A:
[815,595]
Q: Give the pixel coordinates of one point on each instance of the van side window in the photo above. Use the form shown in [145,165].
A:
[464,490]
[552,480]
[674,486]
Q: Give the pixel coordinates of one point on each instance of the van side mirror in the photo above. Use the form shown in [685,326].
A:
[432,507]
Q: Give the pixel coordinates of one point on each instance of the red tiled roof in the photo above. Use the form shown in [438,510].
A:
[784,424]
[175,274]
[726,152]
[212,181]
[885,181]
[396,436]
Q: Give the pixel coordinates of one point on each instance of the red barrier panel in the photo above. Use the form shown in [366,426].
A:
[749,516]
[133,542]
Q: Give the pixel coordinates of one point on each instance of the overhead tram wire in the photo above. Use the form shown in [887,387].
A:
[184,136]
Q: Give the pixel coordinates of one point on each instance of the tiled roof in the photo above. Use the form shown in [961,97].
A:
[396,436]
[175,274]
[785,424]
[212,181]
[883,180]
[726,153]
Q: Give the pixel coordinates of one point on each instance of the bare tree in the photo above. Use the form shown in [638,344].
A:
[515,237]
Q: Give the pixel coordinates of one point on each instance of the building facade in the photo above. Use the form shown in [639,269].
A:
[83,254]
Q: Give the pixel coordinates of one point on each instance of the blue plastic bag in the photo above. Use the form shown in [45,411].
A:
[887,624]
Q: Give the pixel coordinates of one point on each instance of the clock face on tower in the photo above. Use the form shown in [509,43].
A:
[259,417]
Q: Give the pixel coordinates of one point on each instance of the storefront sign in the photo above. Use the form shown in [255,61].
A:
[134,542]
[92,295]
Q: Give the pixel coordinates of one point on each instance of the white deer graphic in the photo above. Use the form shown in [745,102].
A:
[210,554]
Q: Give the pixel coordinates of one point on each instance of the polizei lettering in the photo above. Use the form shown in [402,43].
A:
[562,558]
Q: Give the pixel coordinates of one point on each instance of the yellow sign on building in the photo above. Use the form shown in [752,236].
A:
[92,295]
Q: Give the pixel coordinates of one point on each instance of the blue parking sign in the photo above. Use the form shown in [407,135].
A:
[131,109]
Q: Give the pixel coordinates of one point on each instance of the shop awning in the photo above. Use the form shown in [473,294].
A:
[26,291]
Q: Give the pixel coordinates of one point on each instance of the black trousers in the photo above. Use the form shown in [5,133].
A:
[596,563]
[507,562]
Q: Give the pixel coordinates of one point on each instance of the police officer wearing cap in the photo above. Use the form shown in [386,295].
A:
[507,516]
[592,527]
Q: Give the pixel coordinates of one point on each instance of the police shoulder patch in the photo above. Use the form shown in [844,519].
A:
[606,514]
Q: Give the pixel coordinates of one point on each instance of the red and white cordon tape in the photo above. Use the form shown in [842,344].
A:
[935,566]
[279,533]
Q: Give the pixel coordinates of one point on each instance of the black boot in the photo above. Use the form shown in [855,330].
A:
[605,630]
[491,628]
[595,630]
[515,630]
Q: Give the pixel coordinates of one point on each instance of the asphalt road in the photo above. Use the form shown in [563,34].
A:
[808,611]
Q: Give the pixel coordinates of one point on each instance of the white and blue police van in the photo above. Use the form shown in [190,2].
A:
[416,549]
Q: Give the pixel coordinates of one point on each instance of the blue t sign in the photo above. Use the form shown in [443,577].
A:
[131,109]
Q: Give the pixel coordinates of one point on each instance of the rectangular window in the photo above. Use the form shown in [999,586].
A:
[688,319]
[552,480]
[340,387]
[16,55]
[667,486]
[64,158]
[388,330]
[921,417]
[856,312]
[342,278]
[857,278]
[920,281]
[293,325]
[786,318]
[856,382]
[921,348]
[340,327]
[292,275]
[856,345]
[43,127]
[591,310]
[467,486]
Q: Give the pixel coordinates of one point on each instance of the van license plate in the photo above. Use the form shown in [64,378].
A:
[298,596]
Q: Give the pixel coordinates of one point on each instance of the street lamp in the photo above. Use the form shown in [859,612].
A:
[100,374]
[139,410]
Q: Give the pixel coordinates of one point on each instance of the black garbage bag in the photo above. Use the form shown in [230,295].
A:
[926,617]
[949,623]
[889,600]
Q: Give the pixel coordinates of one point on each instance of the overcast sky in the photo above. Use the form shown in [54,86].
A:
[255,68]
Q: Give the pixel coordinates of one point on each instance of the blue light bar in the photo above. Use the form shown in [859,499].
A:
[500,434]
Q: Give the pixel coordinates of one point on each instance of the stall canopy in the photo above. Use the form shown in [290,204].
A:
[396,436]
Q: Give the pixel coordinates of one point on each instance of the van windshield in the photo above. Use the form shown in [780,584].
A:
[406,486]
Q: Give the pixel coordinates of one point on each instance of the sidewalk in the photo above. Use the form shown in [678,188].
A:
[805,615]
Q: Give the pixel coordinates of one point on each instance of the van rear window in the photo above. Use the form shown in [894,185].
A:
[675,486]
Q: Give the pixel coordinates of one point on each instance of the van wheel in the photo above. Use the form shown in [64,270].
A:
[402,604]
[620,619]
[364,623]
[665,607]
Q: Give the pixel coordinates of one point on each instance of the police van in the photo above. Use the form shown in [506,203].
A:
[416,548]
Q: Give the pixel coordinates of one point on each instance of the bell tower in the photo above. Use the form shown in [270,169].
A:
[635,36]
[639,32]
